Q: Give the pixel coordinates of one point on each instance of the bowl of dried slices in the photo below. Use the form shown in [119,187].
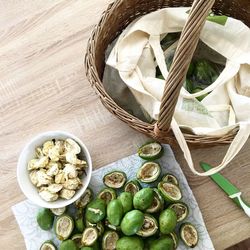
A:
[54,169]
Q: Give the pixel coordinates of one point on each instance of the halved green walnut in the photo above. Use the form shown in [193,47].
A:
[107,194]
[149,172]
[132,187]
[189,235]
[169,191]
[85,199]
[115,179]
[157,204]
[77,238]
[48,245]
[150,151]
[175,239]
[149,227]
[89,224]
[64,226]
[99,226]
[58,211]
[109,240]
[171,179]
[181,210]
[89,236]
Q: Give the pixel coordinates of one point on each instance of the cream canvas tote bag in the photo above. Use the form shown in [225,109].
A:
[226,107]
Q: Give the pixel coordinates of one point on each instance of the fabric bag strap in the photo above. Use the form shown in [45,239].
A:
[235,147]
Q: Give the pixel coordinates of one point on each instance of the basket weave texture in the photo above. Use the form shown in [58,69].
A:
[122,12]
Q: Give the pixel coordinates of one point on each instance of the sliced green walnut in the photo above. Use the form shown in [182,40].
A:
[107,194]
[169,191]
[150,151]
[89,224]
[109,240]
[175,239]
[99,226]
[189,235]
[77,238]
[149,172]
[48,245]
[170,178]
[132,187]
[149,227]
[45,219]
[64,226]
[115,179]
[96,211]
[181,210]
[157,204]
[89,236]
[58,211]
[85,199]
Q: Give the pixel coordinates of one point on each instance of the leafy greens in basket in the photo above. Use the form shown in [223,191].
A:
[205,68]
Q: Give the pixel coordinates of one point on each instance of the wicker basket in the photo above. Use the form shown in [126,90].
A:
[117,16]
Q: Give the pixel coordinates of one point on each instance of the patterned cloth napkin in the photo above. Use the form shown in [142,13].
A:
[25,212]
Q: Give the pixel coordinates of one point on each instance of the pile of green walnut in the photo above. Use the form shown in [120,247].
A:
[136,219]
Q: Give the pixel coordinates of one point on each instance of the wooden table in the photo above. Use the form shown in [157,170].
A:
[43,87]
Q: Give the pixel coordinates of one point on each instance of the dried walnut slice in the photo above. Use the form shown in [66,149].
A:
[55,171]
[48,196]
[67,194]
[55,188]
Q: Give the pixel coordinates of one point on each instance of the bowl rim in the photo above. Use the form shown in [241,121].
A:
[22,160]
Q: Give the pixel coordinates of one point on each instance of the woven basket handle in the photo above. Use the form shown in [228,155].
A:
[183,56]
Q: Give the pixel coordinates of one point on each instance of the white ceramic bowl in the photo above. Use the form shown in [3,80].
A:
[28,153]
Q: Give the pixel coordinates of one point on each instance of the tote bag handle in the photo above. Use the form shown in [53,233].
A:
[234,148]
